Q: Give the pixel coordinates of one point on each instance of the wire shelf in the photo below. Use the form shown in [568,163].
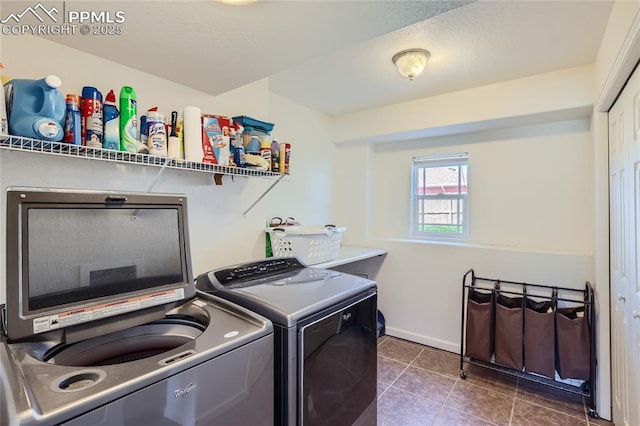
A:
[64,149]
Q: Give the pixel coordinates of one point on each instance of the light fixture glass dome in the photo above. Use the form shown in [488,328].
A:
[411,62]
[237,2]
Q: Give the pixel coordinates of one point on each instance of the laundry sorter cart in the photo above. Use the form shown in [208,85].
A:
[541,333]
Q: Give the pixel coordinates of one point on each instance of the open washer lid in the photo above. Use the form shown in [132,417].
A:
[75,257]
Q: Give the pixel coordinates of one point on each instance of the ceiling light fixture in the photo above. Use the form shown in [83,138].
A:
[237,2]
[411,62]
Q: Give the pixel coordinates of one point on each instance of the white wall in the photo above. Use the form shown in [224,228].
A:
[558,95]
[530,145]
[220,235]
[530,219]
[530,186]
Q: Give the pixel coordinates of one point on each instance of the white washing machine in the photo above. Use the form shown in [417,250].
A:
[102,324]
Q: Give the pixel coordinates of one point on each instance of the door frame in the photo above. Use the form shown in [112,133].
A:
[624,64]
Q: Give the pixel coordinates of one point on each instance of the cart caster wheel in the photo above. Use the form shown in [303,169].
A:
[592,413]
[463,374]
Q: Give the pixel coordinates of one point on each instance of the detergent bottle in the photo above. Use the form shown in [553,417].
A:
[36,108]
[4,125]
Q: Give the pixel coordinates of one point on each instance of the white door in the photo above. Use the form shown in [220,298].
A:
[624,181]
[633,289]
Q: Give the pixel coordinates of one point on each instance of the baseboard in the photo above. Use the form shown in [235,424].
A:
[423,340]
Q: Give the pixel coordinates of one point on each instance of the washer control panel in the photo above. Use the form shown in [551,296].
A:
[257,270]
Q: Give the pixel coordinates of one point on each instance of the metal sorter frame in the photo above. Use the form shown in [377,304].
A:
[583,297]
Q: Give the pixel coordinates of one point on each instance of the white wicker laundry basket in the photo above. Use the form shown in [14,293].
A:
[311,244]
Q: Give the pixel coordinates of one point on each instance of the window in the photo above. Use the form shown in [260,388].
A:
[439,196]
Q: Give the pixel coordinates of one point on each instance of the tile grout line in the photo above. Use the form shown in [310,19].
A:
[457,379]
[442,407]
[546,407]
[461,380]
[513,404]
[416,357]
[402,372]
[419,396]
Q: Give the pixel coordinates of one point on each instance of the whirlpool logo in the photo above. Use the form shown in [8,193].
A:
[181,393]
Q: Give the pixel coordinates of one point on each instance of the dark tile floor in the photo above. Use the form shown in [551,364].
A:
[419,385]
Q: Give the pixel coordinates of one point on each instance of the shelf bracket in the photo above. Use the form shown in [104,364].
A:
[263,195]
[157,178]
[217,178]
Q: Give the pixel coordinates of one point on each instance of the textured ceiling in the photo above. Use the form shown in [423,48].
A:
[216,47]
[478,44]
[335,56]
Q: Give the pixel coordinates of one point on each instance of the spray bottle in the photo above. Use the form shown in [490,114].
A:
[72,123]
[4,124]
[238,150]
[91,110]
[111,123]
[128,120]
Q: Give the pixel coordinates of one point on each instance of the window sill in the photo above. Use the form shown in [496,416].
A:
[467,244]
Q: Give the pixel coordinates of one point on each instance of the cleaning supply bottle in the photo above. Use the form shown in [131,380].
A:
[36,108]
[173,145]
[265,152]
[232,145]
[180,132]
[253,147]
[275,156]
[4,124]
[285,153]
[91,110]
[72,123]
[156,133]
[111,123]
[128,120]
[238,152]
[144,136]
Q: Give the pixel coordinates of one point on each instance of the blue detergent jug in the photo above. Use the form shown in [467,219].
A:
[36,108]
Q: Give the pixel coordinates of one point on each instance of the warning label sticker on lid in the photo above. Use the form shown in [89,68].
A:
[78,316]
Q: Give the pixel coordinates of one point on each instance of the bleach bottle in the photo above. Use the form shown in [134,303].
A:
[36,108]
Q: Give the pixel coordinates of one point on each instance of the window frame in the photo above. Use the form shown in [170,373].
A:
[432,161]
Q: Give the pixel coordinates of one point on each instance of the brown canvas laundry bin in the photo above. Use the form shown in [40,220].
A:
[573,354]
[508,331]
[479,336]
[539,338]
